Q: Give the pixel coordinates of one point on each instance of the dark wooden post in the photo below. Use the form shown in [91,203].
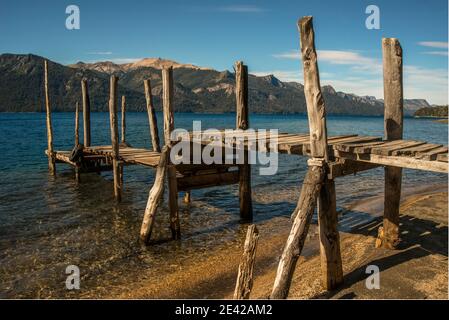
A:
[77,138]
[77,125]
[169,125]
[114,136]
[244,283]
[393,121]
[152,120]
[86,112]
[123,119]
[50,152]
[315,185]
[242,122]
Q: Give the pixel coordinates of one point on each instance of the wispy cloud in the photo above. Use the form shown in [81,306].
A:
[241,8]
[333,57]
[101,53]
[436,53]
[434,44]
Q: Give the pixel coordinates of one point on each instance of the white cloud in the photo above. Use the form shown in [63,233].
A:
[242,9]
[102,53]
[436,53]
[434,44]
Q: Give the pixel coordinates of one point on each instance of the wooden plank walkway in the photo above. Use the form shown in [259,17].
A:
[369,149]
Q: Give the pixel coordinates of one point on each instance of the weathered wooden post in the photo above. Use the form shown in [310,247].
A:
[155,195]
[77,139]
[244,282]
[242,122]
[114,137]
[77,125]
[123,119]
[315,183]
[50,152]
[393,123]
[86,112]
[169,125]
[152,120]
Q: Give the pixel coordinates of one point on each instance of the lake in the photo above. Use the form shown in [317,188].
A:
[48,223]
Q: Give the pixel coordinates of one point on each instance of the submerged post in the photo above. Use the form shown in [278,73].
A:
[114,137]
[242,123]
[169,125]
[393,124]
[123,119]
[152,120]
[86,112]
[50,153]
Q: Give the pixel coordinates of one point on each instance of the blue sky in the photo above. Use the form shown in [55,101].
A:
[261,33]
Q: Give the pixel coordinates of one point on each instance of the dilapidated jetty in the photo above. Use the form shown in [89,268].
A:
[328,158]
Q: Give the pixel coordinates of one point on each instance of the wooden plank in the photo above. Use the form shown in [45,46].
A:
[244,282]
[295,242]
[433,154]
[395,161]
[389,147]
[242,123]
[152,120]
[416,150]
[442,157]
[154,197]
[114,136]
[344,167]
[393,123]
[86,112]
[51,157]
[357,147]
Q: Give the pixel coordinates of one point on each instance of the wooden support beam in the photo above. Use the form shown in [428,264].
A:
[316,110]
[123,119]
[344,167]
[331,264]
[244,283]
[393,120]
[173,202]
[86,112]
[168,93]
[242,122]
[77,124]
[207,180]
[152,120]
[51,156]
[295,242]
[114,137]
[156,193]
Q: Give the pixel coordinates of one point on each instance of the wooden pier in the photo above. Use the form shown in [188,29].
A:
[329,157]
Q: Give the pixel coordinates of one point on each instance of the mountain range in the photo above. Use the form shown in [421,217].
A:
[197,89]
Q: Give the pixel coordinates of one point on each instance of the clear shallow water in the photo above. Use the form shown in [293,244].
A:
[48,223]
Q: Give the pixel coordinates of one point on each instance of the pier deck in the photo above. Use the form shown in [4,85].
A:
[400,153]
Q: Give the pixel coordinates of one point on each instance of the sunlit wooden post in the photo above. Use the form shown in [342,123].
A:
[242,122]
[50,152]
[169,126]
[114,137]
[123,127]
[393,122]
[77,139]
[152,120]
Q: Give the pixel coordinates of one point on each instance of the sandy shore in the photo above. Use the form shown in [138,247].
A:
[418,269]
